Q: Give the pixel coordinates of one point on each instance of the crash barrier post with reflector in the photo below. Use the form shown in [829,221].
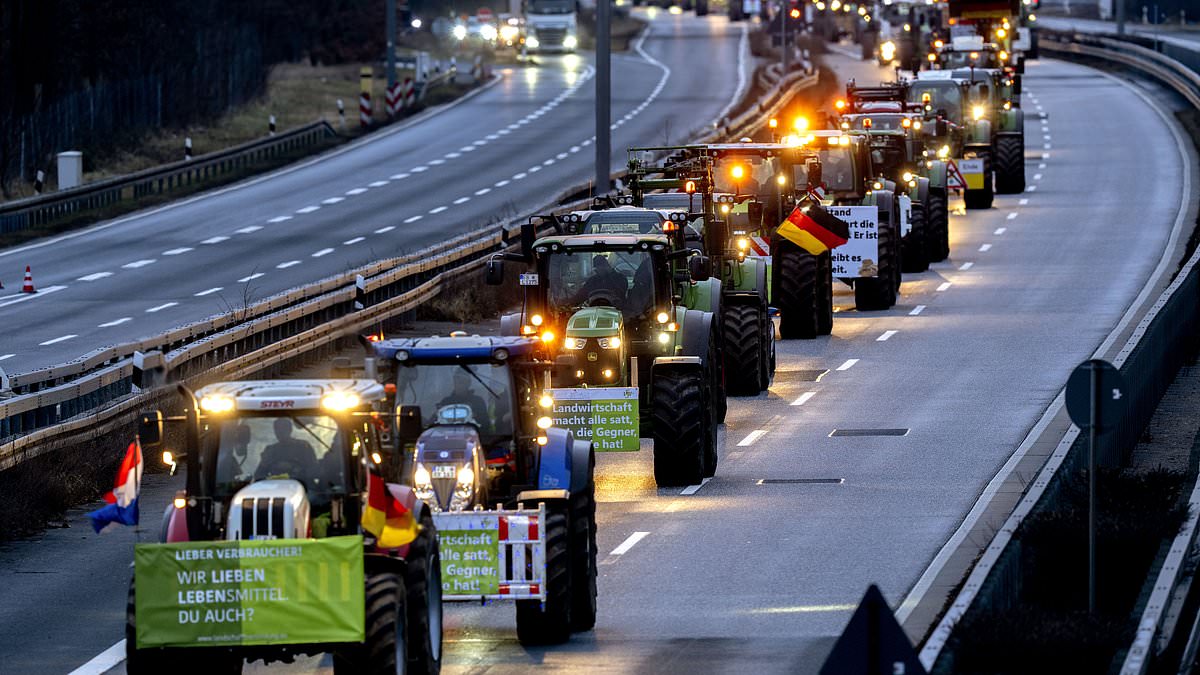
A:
[365,79]
[187,148]
[360,292]
[394,99]
[493,555]
[341,113]
[408,93]
[39,181]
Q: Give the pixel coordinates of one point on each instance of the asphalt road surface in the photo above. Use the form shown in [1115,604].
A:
[759,569]
[515,146]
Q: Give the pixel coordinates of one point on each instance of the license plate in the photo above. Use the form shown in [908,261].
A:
[529,279]
[444,471]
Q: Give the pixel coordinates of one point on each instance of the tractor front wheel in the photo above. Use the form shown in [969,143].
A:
[1010,164]
[916,247]
[797,282]
[937,216]
[743,349]
[879,292]
[423,581]
[583,555]
[385,649]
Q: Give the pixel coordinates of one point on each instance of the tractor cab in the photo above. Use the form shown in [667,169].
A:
[846,165]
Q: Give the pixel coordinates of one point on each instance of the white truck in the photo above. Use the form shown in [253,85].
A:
[551,26]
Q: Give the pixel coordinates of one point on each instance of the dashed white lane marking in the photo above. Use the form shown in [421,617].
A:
[534,169]
[849,363]
[215,240]
[480,143]
[1023,202]
[333,200]
[985,248]
[460,200]
[95,276]
[355,191]
[452,155]
[382,230]
[412,219]
[467,148]
[519,176]
[751,437]
[482,191]
[887,335]
[561,155]
[917,310]
[136,264]
[1037,176]
[1012,215]
[350,242]
[116,322]
[492,137]
[103,662]
[965,266]
[57,340]
[693,489]
[1046,146]
[6,357]
[501,183]
[322,252]
[630,543]
[438,209]
[548,162]
[308,209]
[436,162]
[178,251]
[279,219]
[418,169]
[945,286]
[574,149]
[1046,136]
[210,291]
[803,398]
[285,265]
[1031,188]
[1042,165]
[395,176]
[252,277]
[249,229]
[1000,230]
[159,308]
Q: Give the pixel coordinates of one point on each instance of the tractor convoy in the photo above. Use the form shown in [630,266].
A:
[337,515]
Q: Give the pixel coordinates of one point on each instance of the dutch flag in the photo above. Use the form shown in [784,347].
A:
[122,506]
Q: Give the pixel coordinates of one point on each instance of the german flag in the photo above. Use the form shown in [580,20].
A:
[385,517]
[813,229]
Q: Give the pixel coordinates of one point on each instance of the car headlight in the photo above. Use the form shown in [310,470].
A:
[574,343]
[613,342]
[532,42]
[570,42]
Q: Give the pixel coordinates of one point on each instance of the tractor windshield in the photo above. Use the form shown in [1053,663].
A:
[620,279]
[884,122]
[306,448]
[745,175]
[442,390]
[674,201]
[944,97]
[837,170]
[624,221]
[551,6]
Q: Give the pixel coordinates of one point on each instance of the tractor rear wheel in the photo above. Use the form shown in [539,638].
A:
[743,341]
[385,649]
[879,292]
[679,417]
[583,555]
[937,217]
[1010,164]
[549,622]
[798,298]
[423,581]
[916,246]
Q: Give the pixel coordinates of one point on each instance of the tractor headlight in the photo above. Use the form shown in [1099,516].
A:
[574,342]
[977,112]
[460,32]
[943,152]
[743,244]
[663,338]
[216,404]
[546,401]
[536,319]
[488,32]
[466,477]
[613,342]
[663,317]
[907,176]
[607,373]
[508,33]
[887,50]
[544,422]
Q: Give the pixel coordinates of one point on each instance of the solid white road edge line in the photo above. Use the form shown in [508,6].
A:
[629,543]
[937,638]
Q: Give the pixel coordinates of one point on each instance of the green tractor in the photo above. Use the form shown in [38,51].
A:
[619,300]
[990,93]
[957,131]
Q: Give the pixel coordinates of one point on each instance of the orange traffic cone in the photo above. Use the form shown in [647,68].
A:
[27,287]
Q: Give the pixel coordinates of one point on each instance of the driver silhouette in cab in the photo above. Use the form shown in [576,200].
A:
[603,279]
[287,454]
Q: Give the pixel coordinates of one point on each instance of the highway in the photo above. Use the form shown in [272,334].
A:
[759,569]
[515,146]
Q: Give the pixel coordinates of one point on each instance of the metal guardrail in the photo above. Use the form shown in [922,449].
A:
[23,214]
[1149,361]
[72,399]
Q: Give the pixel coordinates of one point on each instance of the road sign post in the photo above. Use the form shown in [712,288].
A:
[1095,401]
[603,96]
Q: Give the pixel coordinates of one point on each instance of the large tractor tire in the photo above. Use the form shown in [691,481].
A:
[880,292]
[743,340]
[797,284]
[216,661]
[549,622]
[701,7]
[1010,164]
[916,246]
[937,216]
[678,408]
[982,198]
[583,555]
[423,582]
[825,293]
[385,649]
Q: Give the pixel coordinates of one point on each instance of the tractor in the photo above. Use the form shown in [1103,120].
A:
[958,132]
[614,296]
[290,460]
[474,436]
[990,92]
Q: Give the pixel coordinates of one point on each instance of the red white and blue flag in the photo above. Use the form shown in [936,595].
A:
[122,506]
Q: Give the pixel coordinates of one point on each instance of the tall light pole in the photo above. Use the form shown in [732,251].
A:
[603,95]
[390,27]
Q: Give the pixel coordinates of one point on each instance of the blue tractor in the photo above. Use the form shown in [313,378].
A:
[513,496]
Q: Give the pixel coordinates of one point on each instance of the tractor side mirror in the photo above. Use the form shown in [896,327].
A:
[940,127]
[528,236]
[150,429]
[408,425]
[700,267]
[755,210]
[494,272]
[814,173]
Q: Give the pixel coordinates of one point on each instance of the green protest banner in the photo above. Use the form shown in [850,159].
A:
[469,545]
[283,591]
[606,416]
